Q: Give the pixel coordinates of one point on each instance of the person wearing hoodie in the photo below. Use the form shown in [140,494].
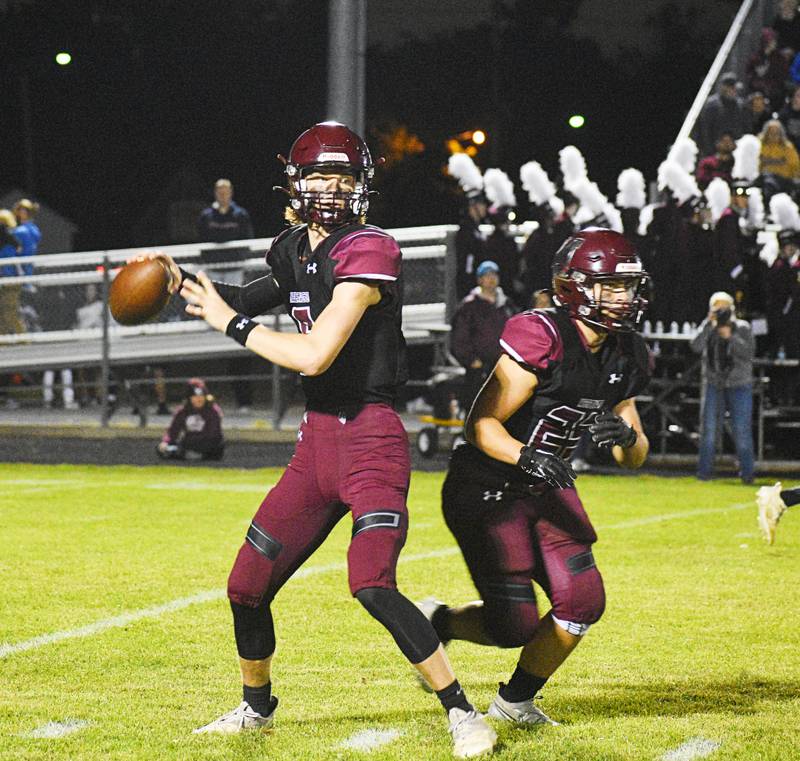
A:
[476,329]
[196,428]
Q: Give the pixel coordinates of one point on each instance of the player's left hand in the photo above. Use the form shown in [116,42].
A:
[205,302]
[609,430]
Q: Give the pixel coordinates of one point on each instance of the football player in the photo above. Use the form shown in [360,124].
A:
[773,501]
[509,497]
[339,279]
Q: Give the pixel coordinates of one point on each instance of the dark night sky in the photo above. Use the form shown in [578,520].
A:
[172,95]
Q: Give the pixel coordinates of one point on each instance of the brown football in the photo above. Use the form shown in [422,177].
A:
[139,291]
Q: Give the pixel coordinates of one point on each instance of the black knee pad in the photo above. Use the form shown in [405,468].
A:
[510,615]
[254,630]
[412,632]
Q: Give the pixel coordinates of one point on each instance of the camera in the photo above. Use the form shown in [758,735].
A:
[723,316]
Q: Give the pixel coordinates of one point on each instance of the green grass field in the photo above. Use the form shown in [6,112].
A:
[699,642]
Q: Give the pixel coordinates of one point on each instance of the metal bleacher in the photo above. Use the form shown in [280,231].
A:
[173,336]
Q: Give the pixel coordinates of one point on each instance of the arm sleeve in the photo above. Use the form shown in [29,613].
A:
[532,339]
[699,341]
[743,345]
[247,225]
[176,427]
[368,254]
[252,299]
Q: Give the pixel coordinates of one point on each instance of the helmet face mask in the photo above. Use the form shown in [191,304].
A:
[599,279]
[328,172]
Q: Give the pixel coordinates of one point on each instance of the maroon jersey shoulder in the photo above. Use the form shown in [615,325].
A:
[366,254]
[532,339]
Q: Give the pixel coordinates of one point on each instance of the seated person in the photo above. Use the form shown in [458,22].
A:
[196,428]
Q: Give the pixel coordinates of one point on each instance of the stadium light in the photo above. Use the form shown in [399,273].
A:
[63,58]
[479,137]
[576,121]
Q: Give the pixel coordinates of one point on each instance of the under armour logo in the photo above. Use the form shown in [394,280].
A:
[615,377]
[311,268]
[495,495]
[242,324]
[299,435]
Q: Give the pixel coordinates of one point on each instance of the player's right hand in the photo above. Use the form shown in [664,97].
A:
[552,470]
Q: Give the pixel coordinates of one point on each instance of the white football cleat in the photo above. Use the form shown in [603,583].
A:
[524,712]
[240,719]
[471,733]
[770,510]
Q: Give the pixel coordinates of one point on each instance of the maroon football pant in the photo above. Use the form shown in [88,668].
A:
[360,465]
[508,538]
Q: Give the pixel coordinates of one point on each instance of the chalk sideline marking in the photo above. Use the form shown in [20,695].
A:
[369,739]
[7,649]
[648,520]
[54,729]
[156,611]
[697,747]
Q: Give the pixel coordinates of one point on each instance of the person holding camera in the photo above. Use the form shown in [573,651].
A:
[727,346]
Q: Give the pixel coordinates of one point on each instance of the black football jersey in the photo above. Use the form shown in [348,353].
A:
[574,384]
[372,364]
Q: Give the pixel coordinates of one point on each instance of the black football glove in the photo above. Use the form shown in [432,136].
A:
[552,470]
[609,429]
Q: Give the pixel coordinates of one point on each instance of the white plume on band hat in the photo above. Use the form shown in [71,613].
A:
[572,165]
[631,187]
[498,188]
[540,189]
[672,176]
[747,158]
[464,170]
[718,196]
[684,152]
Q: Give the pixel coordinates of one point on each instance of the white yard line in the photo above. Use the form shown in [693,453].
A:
[54,729]
[369,739]
[697,747]
[157,611]
[650,519]
[124,619]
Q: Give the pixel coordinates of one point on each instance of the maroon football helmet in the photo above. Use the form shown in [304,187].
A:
[597,256]
[329,148]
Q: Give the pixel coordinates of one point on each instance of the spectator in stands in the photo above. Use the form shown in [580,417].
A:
[196,428]
[767,69]
[477,325]
[720,164]
[224,220]
[758,112]
[10,322]
[470,243]
[27,231]
[724,112]
[787,27]
[57,312]
[89,316]
[727,347]
[789,117]
[780,164]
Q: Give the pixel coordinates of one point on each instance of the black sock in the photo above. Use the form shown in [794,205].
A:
[521,686]
[453,696]
[258,698]
[441,621]
[791,496]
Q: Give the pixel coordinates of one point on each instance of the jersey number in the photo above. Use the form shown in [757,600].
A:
[303,319]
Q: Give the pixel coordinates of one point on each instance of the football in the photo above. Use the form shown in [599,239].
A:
[139,291]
